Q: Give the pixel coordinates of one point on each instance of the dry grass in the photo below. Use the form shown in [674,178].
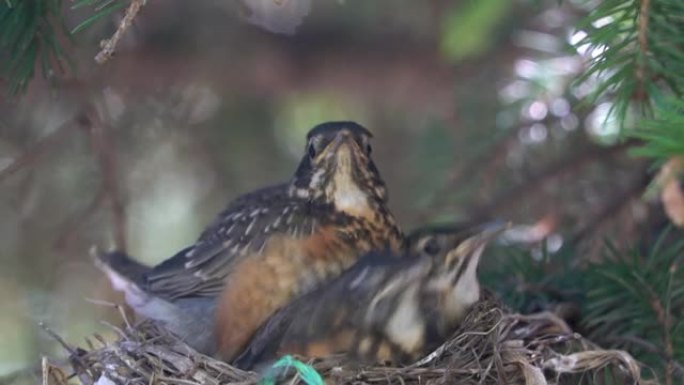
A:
[493,346]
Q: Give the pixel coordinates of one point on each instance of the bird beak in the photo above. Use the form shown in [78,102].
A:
[341,149]
[344,153]
[469,239]
[472,247]
[343,138]
[489,231]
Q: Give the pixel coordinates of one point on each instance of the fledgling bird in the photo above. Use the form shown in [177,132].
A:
[383,309]
[268,246]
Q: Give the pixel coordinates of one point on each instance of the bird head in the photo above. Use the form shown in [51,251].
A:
[453,280]
[337,168]
[436,240]
[422,297]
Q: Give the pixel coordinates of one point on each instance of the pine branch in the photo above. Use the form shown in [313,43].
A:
[102,8]
[29,36]
[109,46]
[663,135]
[641,70]
[635,51]
[640,298]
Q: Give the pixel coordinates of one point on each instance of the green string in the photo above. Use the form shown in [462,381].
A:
[308,374]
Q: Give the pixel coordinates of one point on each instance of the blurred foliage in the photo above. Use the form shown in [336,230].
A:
[469,29]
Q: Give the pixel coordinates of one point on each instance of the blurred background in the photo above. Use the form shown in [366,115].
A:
[474,105]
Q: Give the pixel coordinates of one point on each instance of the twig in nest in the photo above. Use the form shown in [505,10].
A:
[439,352]
[101,340]
[56,337]
[117,329]
[594,359]
[109,46]
[75,355]
[45,369]
[116,306]
[49,371]
[548,319]
[481,353]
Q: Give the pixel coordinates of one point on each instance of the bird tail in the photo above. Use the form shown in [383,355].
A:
[125,275]
[121,264]
[188,319]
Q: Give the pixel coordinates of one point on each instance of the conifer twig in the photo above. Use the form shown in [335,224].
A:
[642,37]
[109,45]
[664,318]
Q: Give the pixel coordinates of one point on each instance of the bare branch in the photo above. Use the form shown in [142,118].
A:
[109,46]
[570,164]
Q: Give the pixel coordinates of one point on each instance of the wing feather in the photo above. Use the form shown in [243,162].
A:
[242,228]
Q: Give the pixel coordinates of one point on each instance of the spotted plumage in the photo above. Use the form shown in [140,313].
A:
[273,244]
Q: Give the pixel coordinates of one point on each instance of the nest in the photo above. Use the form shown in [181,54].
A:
[492,346]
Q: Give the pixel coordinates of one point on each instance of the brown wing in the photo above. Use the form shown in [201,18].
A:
[243,228]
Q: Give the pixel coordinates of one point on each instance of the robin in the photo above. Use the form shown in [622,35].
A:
[383,309]
[268,246]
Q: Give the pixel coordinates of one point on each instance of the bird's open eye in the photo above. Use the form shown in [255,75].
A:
[369,149]
[431,247]
[312,151]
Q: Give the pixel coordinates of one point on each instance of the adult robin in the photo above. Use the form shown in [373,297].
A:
[383,309]
[268,246]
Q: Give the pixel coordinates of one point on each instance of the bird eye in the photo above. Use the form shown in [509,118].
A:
[369,149]
[312,151]
[431,247]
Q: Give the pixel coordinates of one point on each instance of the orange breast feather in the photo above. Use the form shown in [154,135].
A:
[263,283]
